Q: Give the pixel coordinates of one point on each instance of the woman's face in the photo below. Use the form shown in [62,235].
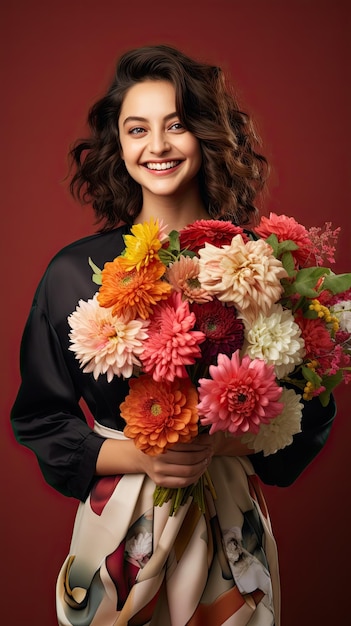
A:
[159,153]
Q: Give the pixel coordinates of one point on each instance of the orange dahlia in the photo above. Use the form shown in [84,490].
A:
[160,414]
[130,292]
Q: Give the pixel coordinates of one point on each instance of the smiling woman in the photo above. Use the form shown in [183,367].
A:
[160,153]
[168,143]
[232,169]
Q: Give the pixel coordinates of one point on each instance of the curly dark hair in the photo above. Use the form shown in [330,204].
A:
[232,171]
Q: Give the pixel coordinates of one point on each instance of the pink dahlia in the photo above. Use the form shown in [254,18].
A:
[217,232]
[244,275]
[224,332]
[239,396]
[183,276]
[172,344]
[288,228]
[104,343]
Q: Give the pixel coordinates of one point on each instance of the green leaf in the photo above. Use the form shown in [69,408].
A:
[288,287]
[279,248]
[97,276]
[311,376]
[307,279]
[288,263]
[189,253]
[274,243]
[336,283]
[287,246]
[166,257]
[174,242]
[329,382]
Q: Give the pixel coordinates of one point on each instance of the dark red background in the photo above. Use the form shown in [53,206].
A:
[290,62]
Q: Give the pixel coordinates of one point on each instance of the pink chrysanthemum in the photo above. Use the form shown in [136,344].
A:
[223,330]
[172,343]
[104,343]
[244,275]
[216,232]
[239,396]
[183,276]
[288,228]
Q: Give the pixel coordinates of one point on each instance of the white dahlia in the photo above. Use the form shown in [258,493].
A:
[104,343]
[276,339]
[279,432]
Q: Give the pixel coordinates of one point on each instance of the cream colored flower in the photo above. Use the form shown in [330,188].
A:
[244,274]
[104,343]
[342,311]
[279,432]
[276,339]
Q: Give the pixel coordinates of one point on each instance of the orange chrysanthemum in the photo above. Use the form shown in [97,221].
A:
[160,414]
[132,293]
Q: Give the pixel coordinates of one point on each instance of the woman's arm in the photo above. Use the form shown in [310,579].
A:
[180,466]
[285,466]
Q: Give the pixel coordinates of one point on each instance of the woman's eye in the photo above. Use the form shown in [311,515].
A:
[177,126]
[137,131]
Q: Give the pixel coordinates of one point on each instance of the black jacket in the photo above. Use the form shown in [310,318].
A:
[47,416]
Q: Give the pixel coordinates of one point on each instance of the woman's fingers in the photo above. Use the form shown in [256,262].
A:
[179,467]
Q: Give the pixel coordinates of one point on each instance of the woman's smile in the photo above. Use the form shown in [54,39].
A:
[162,167]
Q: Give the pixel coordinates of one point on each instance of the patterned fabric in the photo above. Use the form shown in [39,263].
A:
[132,564]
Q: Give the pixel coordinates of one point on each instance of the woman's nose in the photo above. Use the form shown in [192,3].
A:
[158,143]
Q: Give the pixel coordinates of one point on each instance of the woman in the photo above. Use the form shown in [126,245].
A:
[169,141]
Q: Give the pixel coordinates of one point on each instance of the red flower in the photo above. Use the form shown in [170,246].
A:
[224,332]
[288,228]
[194,236]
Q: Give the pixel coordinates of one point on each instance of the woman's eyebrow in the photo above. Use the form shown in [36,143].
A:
[134,118]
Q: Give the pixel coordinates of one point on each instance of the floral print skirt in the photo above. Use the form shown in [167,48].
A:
[131,563]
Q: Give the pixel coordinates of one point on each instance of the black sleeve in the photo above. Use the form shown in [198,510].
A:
[47,417]
[284,467]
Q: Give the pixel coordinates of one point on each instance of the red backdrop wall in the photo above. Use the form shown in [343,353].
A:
[289,62]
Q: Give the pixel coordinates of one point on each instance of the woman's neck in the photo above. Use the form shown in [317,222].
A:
[176,212]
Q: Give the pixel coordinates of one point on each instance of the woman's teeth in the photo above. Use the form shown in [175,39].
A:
[162,166]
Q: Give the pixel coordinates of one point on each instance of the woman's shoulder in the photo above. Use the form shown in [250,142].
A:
[100,247]
[68,276]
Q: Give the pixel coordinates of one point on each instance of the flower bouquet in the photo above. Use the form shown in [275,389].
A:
[218,328]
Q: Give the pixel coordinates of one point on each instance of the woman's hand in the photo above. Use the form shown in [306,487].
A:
[181,465]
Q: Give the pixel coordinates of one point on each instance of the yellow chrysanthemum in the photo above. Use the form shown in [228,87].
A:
[132,293]
[142,245]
